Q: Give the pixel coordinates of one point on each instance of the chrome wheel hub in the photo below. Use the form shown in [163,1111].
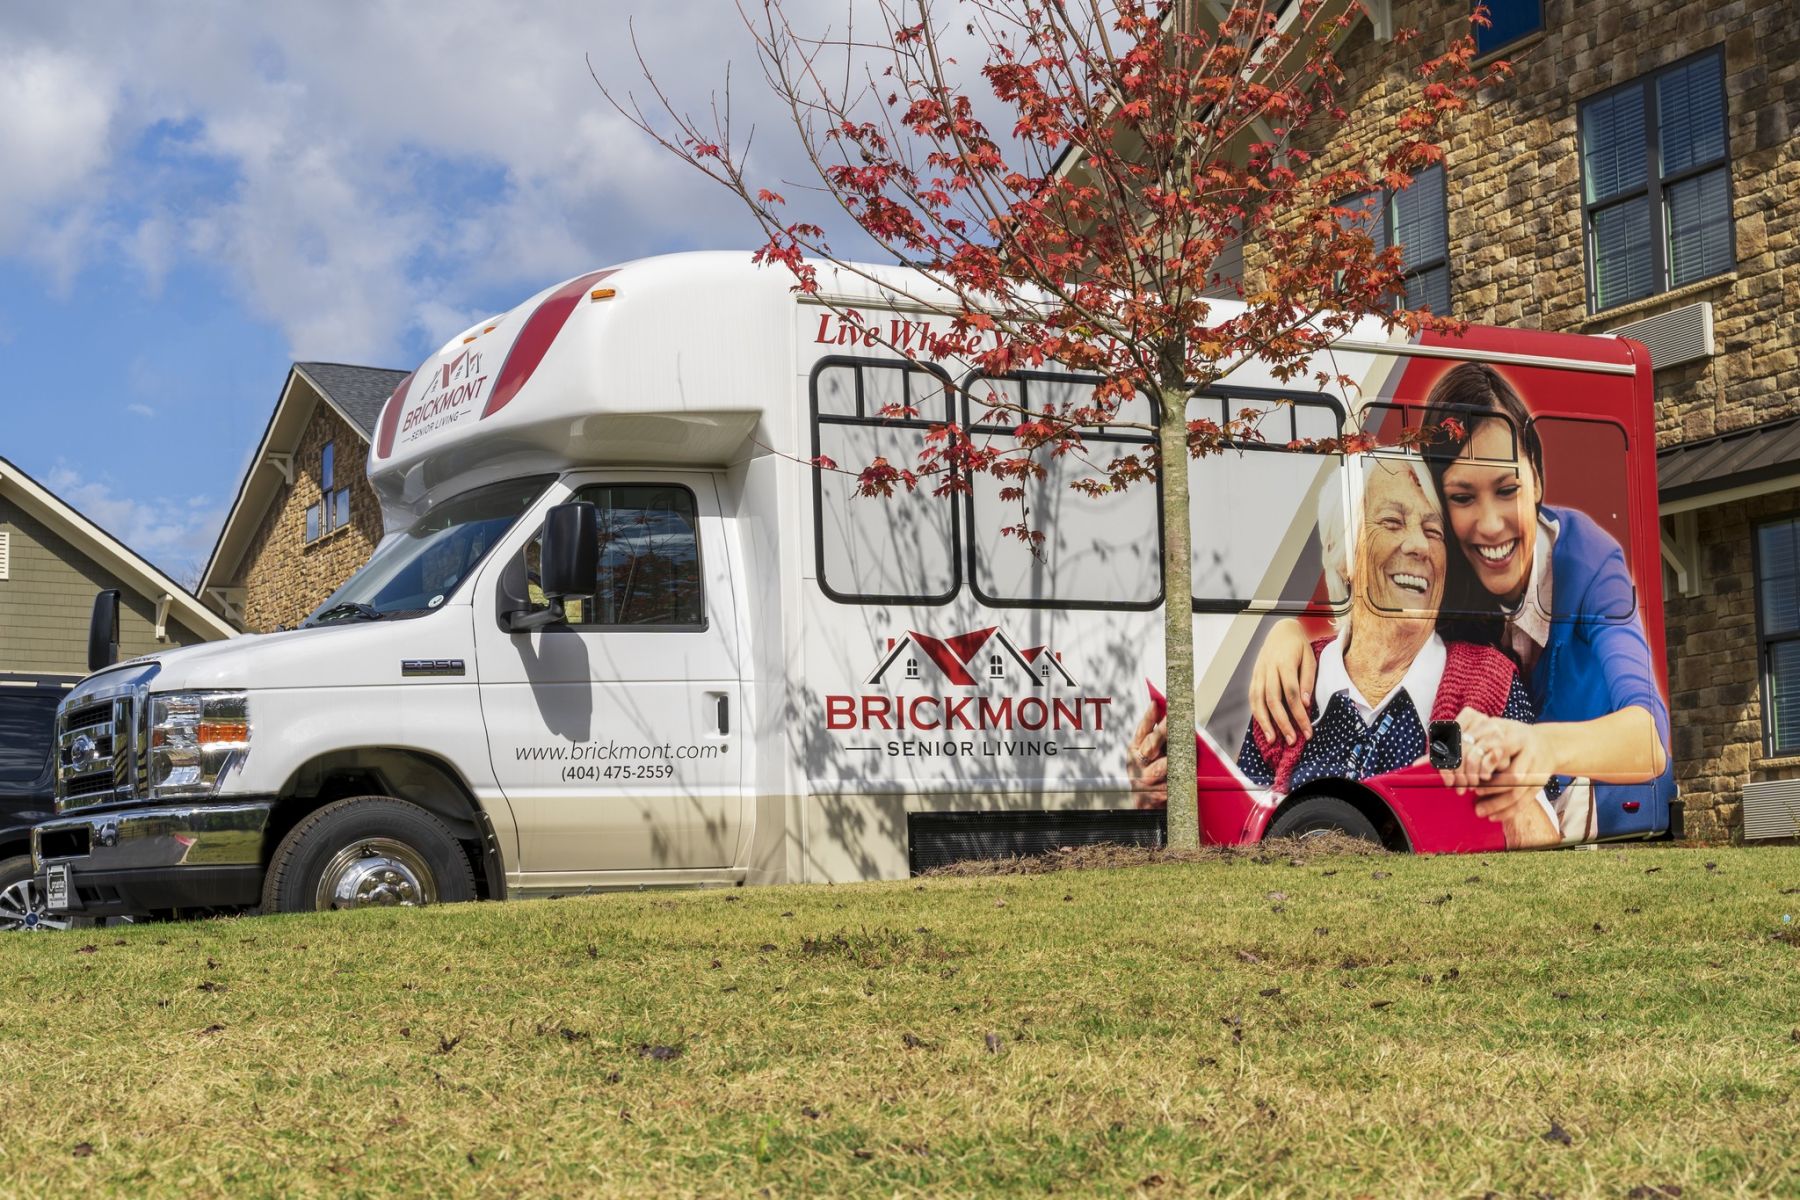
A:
[376,873]
[22,909]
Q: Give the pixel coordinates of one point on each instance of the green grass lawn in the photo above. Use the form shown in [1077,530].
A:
[1612,1023]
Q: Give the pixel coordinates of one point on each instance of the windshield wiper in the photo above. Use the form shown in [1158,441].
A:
[351,609]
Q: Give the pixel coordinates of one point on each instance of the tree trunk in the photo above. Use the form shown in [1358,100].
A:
[1178,619]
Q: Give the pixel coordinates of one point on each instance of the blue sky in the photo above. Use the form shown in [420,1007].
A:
[194,196]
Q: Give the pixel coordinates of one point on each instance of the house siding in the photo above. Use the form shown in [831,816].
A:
[284,577]
[48,597]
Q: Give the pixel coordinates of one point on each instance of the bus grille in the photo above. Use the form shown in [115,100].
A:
[94,754]
[936,839]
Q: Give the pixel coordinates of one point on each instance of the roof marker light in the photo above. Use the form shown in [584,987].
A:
[602,294]
[470,338]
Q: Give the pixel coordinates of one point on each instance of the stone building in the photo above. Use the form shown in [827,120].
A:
[305,516]
[52,562]
[1640,173]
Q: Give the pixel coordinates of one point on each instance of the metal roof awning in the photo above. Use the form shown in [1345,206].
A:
[1732,466]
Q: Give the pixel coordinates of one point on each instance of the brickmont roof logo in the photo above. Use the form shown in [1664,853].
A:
[969,660]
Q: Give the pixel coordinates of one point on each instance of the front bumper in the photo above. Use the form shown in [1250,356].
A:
[133,861]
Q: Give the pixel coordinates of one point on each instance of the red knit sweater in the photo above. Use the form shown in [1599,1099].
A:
[1475,676]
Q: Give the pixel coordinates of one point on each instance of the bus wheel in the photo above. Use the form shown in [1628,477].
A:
[1324,814]
[367,852]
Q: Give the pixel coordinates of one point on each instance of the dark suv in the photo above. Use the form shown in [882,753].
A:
[27,770]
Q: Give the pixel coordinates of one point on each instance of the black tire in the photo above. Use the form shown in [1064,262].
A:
[371,839]
[1324,814]
[22,899]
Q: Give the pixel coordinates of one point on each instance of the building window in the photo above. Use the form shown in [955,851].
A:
[1656,182]
[1508,22]
[1416,219]
[333,509]
[1778,632]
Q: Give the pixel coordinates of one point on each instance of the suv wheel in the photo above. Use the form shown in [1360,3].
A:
[22,899]
[367,852]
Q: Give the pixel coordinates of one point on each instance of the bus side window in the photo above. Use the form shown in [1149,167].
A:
[1097,551]
[1586,468]
[900,548]
[648,571]
[1256,506]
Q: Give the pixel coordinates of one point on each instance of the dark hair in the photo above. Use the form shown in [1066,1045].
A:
[1466,395]
[1463,397]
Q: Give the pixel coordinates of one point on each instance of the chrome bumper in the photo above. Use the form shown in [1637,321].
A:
[141,860]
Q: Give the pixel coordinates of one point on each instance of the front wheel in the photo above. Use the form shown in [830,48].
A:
[22,899]
[1321,815]
[367,852]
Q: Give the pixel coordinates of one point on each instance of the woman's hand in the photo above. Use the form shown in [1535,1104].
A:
[1281,684]
[1147,761]
[1531,827]
[1505,763]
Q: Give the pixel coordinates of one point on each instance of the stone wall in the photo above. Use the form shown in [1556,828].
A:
[1513,179]
[1714,684]
[284,577]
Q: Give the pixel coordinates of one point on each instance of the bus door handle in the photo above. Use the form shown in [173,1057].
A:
[724,714]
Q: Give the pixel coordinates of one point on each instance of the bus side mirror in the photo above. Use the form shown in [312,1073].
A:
[103,631]
[571,550]
[568,556]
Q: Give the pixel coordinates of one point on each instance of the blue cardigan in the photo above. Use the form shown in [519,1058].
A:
[1598,662]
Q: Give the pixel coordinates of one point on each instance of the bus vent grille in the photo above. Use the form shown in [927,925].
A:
[937,839]
[1772,809]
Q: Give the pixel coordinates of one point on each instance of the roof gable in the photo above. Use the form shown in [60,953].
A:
[356,392]
[107,550]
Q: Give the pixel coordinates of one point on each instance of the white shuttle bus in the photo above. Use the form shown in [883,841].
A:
[621,633]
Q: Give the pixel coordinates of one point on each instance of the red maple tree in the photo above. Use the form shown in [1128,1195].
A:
[1142,143]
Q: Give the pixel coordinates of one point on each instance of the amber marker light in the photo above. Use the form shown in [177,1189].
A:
[602,294]
[216,733]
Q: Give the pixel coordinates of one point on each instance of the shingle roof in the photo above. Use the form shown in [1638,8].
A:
[1743,456]
[358,391]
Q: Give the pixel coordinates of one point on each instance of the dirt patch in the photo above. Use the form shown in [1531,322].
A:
[1103,857]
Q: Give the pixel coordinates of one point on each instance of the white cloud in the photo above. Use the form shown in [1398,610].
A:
[140,410]
[363,171]
[59,111]
[175,533]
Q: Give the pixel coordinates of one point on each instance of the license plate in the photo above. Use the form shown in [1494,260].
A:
[56,887]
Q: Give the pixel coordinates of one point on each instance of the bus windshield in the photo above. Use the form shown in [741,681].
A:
[414,572]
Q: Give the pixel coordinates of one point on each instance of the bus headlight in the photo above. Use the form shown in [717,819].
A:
[194,738]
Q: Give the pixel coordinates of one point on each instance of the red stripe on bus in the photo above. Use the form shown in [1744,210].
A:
[533,342]
[390,418]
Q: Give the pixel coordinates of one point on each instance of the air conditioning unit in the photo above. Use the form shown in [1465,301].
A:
[1676,337]
[1772,809]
